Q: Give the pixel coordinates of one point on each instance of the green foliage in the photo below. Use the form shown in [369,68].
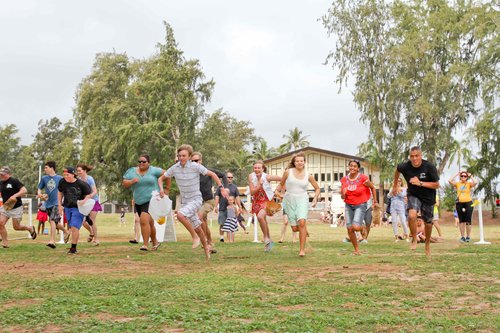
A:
[219,139]
[148,106]
[420,68]
[294,140]
[448,200]
[486,165]
[10,144]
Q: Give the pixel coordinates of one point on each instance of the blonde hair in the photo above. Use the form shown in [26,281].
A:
[261,162]
[187,147]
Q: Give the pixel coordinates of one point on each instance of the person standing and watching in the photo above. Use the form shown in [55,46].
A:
[49,183]
[423,180]
[464,202]
[221,202]
[143,179]
[11,190]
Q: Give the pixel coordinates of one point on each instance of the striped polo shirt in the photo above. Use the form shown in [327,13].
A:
[187,178]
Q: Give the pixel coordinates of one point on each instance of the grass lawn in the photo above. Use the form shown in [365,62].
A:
[117,288]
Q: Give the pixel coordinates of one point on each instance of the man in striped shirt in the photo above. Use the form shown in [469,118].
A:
[187,176]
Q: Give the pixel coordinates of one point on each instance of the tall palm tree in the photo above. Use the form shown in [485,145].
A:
[262,151]
[241,164]
[295,140]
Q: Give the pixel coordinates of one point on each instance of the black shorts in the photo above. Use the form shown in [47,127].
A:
[464,211]
[426,211]
[53,214]
[144,208]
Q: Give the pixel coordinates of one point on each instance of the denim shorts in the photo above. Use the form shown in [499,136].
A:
[74,217]
[355,214]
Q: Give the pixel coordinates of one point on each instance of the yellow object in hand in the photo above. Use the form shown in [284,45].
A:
[161,220]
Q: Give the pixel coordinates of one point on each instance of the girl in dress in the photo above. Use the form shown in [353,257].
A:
[230,226]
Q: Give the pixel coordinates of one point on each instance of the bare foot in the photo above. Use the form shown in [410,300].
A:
[207,253]
[413,246]
[428,250]
[196,243]
[356,253]
[302,254]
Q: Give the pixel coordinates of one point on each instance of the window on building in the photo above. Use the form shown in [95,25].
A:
[336,176]
[328,177]
[316,177]
[323,177]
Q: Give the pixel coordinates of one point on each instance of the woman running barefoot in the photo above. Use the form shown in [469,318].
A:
[296,180]
[262,193]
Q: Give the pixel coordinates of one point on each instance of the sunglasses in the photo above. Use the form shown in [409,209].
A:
[463,176]
[195,161]
[229,177]
[142,161]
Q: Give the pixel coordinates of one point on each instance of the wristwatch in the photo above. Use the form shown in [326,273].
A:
[421,183]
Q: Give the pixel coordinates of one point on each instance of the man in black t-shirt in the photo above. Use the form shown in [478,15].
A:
[12,190]
[423,180]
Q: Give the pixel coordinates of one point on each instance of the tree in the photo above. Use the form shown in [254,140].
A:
[220,137]
[294,140]
[125,108]
[364,40]
[486,165]
[446,65]
[242,166]
[261,150]
[420,69]
[10,144]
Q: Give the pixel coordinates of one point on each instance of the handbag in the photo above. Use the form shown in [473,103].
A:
[273,206]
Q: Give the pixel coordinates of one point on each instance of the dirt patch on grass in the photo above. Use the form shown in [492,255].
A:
[20,303]
[291,307]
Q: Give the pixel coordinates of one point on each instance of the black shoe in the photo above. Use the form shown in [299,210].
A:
[52,246]
[72,251]
[33,234]
[133,241]
[222,240]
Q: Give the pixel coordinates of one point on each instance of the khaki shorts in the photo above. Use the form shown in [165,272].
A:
[16,213]
[206,208]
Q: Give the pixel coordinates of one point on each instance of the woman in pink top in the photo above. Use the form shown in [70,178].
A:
[355,191]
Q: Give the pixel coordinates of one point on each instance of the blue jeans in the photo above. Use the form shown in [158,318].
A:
[355,214]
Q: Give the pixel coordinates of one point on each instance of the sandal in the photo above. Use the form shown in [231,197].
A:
[144,248]
[33,234]
[155,247]
[133,241]
[5,246]
[52,246]
[90,238]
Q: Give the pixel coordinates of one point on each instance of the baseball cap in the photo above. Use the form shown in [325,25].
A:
[5,170]
[70,170]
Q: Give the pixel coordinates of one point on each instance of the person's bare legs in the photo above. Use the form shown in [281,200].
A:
[3,230]
[284,226]
[137,226]
[302,237]
[428,235]
[145,220]
[468,228]
[189,227]
[206,229]
[412,223]
[16,224]
[352,236]
[461,226]
[199,232]
[438,228]
[261,217]
[93,216]
[75,235]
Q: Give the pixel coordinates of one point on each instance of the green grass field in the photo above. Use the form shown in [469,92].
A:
[117,288]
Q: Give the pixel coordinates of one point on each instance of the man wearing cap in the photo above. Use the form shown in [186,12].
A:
[49,183]
[71,191]
[12,190]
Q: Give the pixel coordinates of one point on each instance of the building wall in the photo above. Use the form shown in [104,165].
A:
[326,168]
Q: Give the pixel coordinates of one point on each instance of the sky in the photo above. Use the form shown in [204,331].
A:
[266,58]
